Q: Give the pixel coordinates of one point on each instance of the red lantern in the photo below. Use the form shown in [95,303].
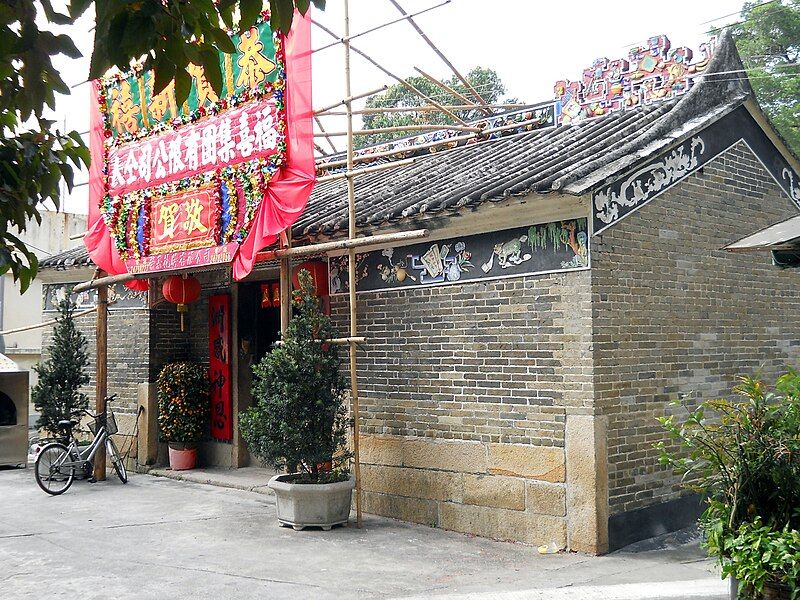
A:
[181,290]
[319,276]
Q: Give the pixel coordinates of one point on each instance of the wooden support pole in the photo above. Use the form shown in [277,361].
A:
[330,134]
[105,280]
[351,269]
[325,109]
[400,80]
[327,137]
[401,109]
[406,149]
[82,313]
[446,88]
[286,282]
[377,27]
[439,53]
[101,373]
[365,170]
[371,240]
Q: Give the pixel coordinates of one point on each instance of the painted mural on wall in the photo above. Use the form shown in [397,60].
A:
[556,246]
[622,197]
[652,72]
[117,293]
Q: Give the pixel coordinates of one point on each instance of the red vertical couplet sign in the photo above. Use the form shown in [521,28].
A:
[219,372]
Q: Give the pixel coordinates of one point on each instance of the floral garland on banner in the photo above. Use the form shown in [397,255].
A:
[131,237]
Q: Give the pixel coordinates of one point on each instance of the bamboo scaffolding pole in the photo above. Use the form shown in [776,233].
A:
[325,109]
[365,170]
[377,27]
[406,149]
[286,282]
[109,280]
[351,268]
[320,150]
[446,88]
[370,240]
[399,128]
[440,54]
[326,135]
[82,313]
[342,341]
[394,109]
[400,80]
[101,373]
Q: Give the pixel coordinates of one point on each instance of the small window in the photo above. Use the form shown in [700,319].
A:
[8,412]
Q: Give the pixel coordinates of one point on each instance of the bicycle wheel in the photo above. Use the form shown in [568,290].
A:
[117,460]
[50,475]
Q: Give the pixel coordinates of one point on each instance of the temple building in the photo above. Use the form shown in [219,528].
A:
[571,286]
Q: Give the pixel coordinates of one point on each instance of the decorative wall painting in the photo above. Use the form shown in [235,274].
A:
[556,246]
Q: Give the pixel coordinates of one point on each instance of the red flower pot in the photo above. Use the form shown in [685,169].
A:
[182,460]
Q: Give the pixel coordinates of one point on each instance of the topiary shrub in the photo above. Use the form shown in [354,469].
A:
[183,403]
[299,418]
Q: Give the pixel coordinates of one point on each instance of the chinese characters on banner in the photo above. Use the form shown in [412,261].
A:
[219,372]
[184,220]
[241,134]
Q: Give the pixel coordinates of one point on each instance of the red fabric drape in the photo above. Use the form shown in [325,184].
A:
[287,192]
[98,238]
[289,189]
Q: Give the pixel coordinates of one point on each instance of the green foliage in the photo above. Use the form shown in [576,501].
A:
[183,402]
[299,419]
[35,157]
[485,81]
[759,554]
[172,35]
[56,394]
[768,38]
[745,458]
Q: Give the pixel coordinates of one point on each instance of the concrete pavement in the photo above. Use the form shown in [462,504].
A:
[159,538]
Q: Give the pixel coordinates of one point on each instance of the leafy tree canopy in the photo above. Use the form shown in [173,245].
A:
[35,157]
[768,38]
[485,81]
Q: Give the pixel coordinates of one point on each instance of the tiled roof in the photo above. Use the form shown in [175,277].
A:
[570,158]
[74,257]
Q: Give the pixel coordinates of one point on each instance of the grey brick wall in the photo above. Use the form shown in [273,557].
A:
[128,349]
[673,315]
[498,361]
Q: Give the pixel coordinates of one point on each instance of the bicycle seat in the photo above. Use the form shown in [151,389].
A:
[66,424]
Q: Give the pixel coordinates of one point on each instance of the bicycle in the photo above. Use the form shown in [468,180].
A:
[57,462]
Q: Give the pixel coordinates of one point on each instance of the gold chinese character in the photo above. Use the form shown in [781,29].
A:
[254,65]
[205,93]
[123,111]
[194,210]
[168,215]
[163,101]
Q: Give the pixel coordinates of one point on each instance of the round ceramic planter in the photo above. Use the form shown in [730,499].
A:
[182,460]
[302,505]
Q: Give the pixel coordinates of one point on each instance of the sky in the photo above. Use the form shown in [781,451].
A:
[530,44]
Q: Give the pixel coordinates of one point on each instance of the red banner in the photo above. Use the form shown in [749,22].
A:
[184,220]
[219,356]
[237,135]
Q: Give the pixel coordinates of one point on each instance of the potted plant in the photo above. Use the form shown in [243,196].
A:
[744,457]
[183,410]
[298,422]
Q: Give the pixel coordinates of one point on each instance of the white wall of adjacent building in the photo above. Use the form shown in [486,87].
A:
[20,310]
